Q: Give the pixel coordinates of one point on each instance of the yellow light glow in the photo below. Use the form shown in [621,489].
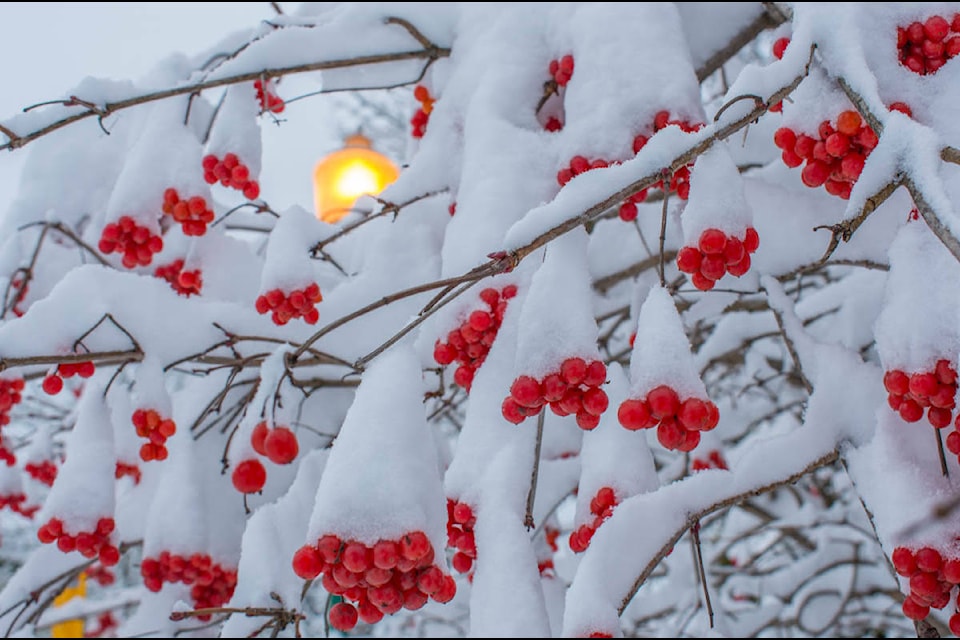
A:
[345,175]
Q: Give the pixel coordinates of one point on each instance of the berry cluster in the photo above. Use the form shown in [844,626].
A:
[230,172]
[580,164]
[269,101]
[561,70]
[107,625]
[186,283]
[15,502]
[212,584]
[90,544]
[714,460]
[923,47]
[156,430]
[374,580]
[249,476]
[21,288]
[53,382]
[460,523]
[601,506]
[716,255]
[678,423]
[422,115]
[100,574]
[44,471]
[835,159]
[573,390]
[931,578]
[933,390]
[299,303]
[123,469]
[278,444]
[136,243]
[680,180]
[469,344]
[11,390]
[192,213]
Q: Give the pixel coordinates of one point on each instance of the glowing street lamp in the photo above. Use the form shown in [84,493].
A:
[344,175]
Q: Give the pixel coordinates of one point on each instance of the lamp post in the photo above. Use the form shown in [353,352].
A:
[348,173]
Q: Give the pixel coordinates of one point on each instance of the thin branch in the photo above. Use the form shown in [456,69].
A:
[771,18]
[535,472]
[388,208]
[701,572]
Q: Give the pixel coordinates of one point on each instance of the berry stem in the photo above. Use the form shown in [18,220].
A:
[528,518]
[943,458]
[663,233]
[698,553]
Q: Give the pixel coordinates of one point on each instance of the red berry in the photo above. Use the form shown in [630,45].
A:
[670,434]
[595,401]
[896,382]
[688,259]
[713,266]
[573,370]
[929,559]
[281,445]
[779,46]
[904,561]
[634,414]
[910,411]
[923,385]
[307,562]
[52,384]
[511,411]
[939,417]
[693,414]
[785,138]
[713,242]
[343,616]
[702,283]
[914,610]
[249,476]
[663,402]
[258,436]
[596,374]
[815,173]
[587,421]
[936,28]
[526,391]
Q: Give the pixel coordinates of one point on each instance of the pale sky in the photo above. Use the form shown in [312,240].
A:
[48,47]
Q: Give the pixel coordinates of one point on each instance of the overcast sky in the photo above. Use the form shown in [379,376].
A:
[48,47]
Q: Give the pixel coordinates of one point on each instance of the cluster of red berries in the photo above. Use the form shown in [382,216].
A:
[90,544]
[581,164]
[678,423]
[11,393]
[716,255]
[299,303]
[156,429]
[924,47]
[212,584]
[100,574]
[6,454]
[279,444]
[53,383]
[422,115]
[469,344]
[779,47]
[934,391]
[44,471]
[21,292]
[15,502]
[135,242]
[460,523]
[374,580]
[230,172]
[601,506]
[561,70]
[269,101]
[714,460]
[931,578]
[192,213]
[552,124]
[186,283]
[680,180]
[573,390]
[835,159]
[123,469]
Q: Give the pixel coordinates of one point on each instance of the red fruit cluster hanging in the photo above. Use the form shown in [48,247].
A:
[284,307]
[156,429]
[573,390]
[269,100]
[231,173]
[211,584]
[101,574]
[90,544]
[11,390]
[186,283]
[561,70]
[924,47]
[44,471]
[714,460]
[601,506]
[678,422]
[933,390]
[15,502]
[469,344]
[374,580]
[21,289]
[279,444]
[460,523]
[137,244]
[578,165]
[716,255]
[422,115]
[192,213]
[53,382]
[835,159]
[931,578]
[123,469]
[680,180]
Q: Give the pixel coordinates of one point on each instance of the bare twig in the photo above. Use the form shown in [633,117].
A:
[535,472]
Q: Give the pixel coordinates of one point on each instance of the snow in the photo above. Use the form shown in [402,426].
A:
[822,475]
